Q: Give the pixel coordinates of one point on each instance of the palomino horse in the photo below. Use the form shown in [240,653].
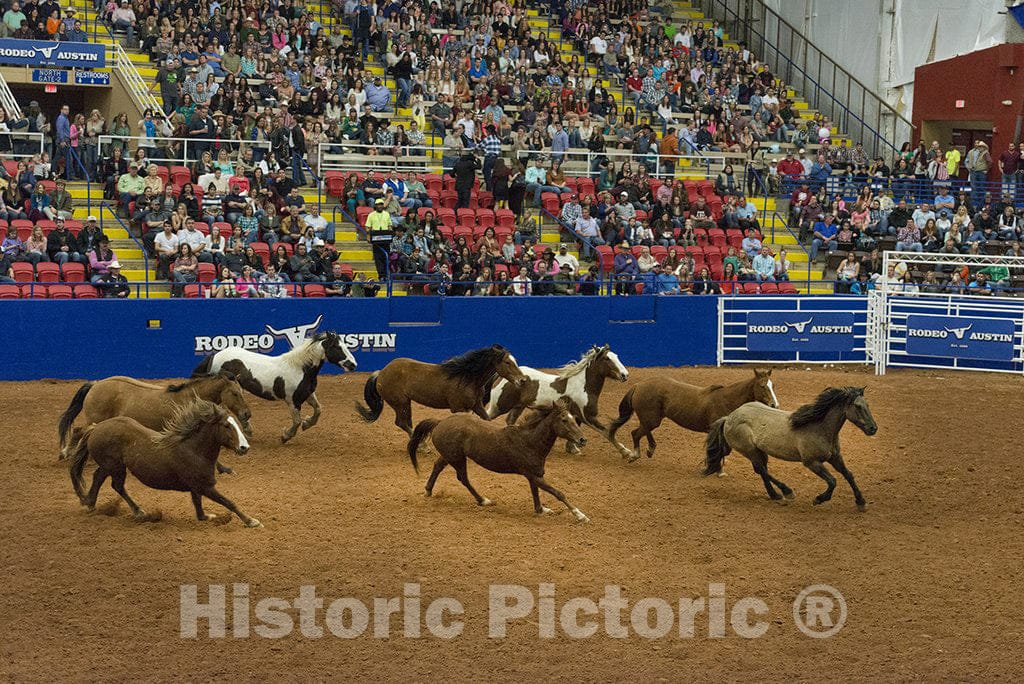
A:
[290,377]
[581,381]
[809,435]
[516,449]
[459,384]
[694,408]
[181,458]
[151,405]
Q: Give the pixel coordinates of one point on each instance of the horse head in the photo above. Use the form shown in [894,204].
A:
[609,365]
[764,390]
[229,432]
[232,398]
[507,367]
[336,352]
[566,425]
[858,413]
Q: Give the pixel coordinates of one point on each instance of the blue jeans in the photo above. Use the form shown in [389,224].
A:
[298,176]
[817,244]
[909,247]
[404,91]
[978,180]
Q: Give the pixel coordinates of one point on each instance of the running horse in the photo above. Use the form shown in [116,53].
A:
[688,406]
[515,449]
[179,458]
[809,435]
[460,384]
[580,381]
[151,405]
[290,377]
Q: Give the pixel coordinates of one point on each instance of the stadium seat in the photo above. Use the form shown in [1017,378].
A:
[9,292]
[769,288]
[787,288]
[180,175]
[446,215]
[334,182]
[505,218]
[262,250]
[23,272]
[59,291]
[202,227]
[314,290]
[33,291]
[74,227]
[193,291]
[48,272]
[86,292]
[206,273]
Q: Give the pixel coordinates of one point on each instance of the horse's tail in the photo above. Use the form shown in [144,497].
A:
[204,367]
[79,457]
[716,448]
[625,411]
[68,417]
[418,435]
[374,403]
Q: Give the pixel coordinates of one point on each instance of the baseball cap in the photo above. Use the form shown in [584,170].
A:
[113,264]
[379,201]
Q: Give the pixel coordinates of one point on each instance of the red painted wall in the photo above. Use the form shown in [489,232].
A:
[983,79]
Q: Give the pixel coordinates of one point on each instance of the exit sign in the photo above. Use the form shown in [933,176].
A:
[50,88]
[960,104]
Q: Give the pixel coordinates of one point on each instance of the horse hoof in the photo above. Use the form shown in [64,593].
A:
[544,510]
[789,495]
[253,522]
[486,502]
[818,501]
[224,470]
[862,506]
[209,516]
[285,437]
[721,473]
[580,516]
[633,456]
[782,501]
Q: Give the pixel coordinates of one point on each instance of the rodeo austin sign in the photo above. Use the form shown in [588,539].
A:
[264,342]
[41,52]
[799,331]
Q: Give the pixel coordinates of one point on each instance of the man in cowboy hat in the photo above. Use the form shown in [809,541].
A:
[113,285]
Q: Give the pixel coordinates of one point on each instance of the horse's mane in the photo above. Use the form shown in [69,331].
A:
[185,421]
[576,367]
[192,382]
[475,366]
[307,353]
[819,408]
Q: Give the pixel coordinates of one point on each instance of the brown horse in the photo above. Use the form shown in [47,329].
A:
[460,384]
[181,458]
[516,449]
[694,408]
[151,405]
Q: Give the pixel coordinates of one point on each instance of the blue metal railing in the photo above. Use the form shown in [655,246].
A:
[127,229]
[570,229]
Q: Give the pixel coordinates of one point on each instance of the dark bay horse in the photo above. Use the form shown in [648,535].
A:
[151,405]
[460,384]
[580,381]
[180,458]
[694,408]
[290,377]
[809,435]
[517,449]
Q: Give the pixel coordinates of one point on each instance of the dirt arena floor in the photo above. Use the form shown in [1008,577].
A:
[931,573]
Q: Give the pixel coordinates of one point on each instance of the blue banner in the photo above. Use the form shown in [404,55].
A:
[47,53]
[92,78]
[961,337]
[817,331]
[49,76]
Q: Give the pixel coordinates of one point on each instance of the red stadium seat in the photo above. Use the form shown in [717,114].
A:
[314,290]
[59,291]
[334,182]
[262,250]
[202,227]
[86,292]
[193,291]
[485,217]
[769,288]
[180,175]
[48,272]
[505,218]
[23,272]
[206,273]
[446,216]
[607,257]
[73,226]
[787,288]
[433,182]
[10,292]
[449,199]
[24,232]
[33,291]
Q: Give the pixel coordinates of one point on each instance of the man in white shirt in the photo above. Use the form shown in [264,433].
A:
[166,245]
[598,45]
[319,224]
[467,124]
[563,258]
[196,240]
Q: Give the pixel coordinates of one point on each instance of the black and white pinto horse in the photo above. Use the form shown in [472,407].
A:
[579,381]
[290,377]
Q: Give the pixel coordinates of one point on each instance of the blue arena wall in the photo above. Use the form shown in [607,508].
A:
[167,338]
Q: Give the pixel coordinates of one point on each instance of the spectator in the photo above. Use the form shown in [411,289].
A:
[112,285]
[100,258]
[272,285]
[977,163]
[123,19]
[625,269]
[825,232]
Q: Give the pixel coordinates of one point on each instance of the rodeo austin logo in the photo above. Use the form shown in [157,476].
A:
[800,328]
[263,343]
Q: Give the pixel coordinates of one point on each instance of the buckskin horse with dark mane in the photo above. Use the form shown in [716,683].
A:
[694,408]
[460,384]
[809,435]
